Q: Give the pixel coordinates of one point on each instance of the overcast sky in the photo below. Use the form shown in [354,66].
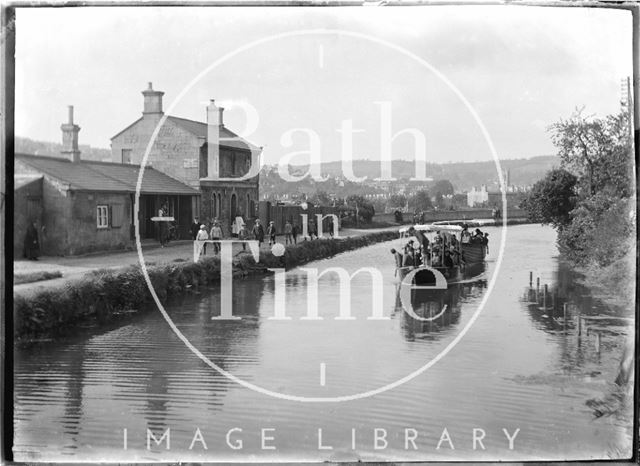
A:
[520,68]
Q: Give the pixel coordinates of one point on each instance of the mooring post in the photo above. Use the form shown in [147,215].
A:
[530,279]
[579,324]
[544,298]
[538,290]
[564,318]
[597,342]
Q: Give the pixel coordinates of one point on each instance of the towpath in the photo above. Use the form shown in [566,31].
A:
[74,267]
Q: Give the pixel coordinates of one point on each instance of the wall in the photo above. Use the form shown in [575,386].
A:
[225,190]
[24,199]
[175,151]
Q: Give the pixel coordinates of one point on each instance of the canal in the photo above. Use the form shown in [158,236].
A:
[519,372]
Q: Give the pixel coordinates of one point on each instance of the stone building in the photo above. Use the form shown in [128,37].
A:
[209,157]
[85,206]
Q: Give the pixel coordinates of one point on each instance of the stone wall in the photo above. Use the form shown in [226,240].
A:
[175,151]
[27,208]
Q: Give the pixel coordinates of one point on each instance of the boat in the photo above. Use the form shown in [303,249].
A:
[446,260]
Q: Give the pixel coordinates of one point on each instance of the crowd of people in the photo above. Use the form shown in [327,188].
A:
[444,250]
[213,231]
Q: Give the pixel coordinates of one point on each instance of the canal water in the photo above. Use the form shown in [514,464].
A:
[519,372]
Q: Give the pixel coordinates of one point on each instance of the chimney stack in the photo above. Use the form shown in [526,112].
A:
[70,138]
[152,101]
[214,122]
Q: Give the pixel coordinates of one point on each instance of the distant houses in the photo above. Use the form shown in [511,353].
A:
[85,206]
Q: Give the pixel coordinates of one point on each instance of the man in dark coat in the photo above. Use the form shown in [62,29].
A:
[195,228]
[258,232]
[31,243]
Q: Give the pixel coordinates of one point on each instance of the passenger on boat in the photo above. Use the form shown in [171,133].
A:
[465,235]
[407,260]
[486,241]
[398,257]
[448,261]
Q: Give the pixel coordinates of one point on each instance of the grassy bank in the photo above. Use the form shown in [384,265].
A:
[35,277]
[108,295]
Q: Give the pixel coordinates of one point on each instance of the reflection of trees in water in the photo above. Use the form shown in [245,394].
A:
[429,304]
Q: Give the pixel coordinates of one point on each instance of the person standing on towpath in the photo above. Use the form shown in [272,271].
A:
[258,232]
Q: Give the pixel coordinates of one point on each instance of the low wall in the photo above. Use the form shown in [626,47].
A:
[106,296]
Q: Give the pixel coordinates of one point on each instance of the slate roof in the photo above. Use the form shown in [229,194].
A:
[199,129]
[105,176]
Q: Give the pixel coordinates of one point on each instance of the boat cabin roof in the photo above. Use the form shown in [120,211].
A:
[434,228]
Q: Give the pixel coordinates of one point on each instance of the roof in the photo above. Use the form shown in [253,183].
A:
[105,176]
[20,181]
[432,227]
[199,129]
[227,137]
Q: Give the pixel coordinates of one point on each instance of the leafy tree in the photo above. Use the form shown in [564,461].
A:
[363,206]
[421,200]
[442,187]
[598,150]
[552,199]
[320,198]
[397,200]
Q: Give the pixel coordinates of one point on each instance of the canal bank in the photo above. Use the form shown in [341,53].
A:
[107,295]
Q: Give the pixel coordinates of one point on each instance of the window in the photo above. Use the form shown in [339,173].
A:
[103,216]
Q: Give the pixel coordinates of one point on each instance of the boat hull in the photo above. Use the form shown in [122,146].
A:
[473,253]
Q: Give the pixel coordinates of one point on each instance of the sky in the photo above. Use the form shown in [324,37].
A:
[438,74]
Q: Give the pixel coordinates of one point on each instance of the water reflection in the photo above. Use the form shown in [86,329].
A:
[441,309]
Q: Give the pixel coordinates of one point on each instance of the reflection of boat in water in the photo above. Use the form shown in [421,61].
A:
[443,254]
[427,312]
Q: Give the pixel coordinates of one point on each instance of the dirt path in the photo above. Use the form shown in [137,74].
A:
[73,268]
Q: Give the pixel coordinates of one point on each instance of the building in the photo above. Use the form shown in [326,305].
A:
[208,157]
[85,206]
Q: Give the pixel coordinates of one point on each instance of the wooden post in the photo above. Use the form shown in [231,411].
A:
[597,342]
[564,313]
[538,290]
[530,279]
[554,300]
[579,324]
[544,298]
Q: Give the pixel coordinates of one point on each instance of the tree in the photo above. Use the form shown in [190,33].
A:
[442,187]
[363,206]
[552,199]
[421,200]
[597,150]
[320,198]
[397,200]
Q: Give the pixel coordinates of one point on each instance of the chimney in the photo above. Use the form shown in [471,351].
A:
[152,101]
[70,138]
[214,122]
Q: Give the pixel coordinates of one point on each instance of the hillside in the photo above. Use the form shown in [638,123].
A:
[52,149]
[463,176]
